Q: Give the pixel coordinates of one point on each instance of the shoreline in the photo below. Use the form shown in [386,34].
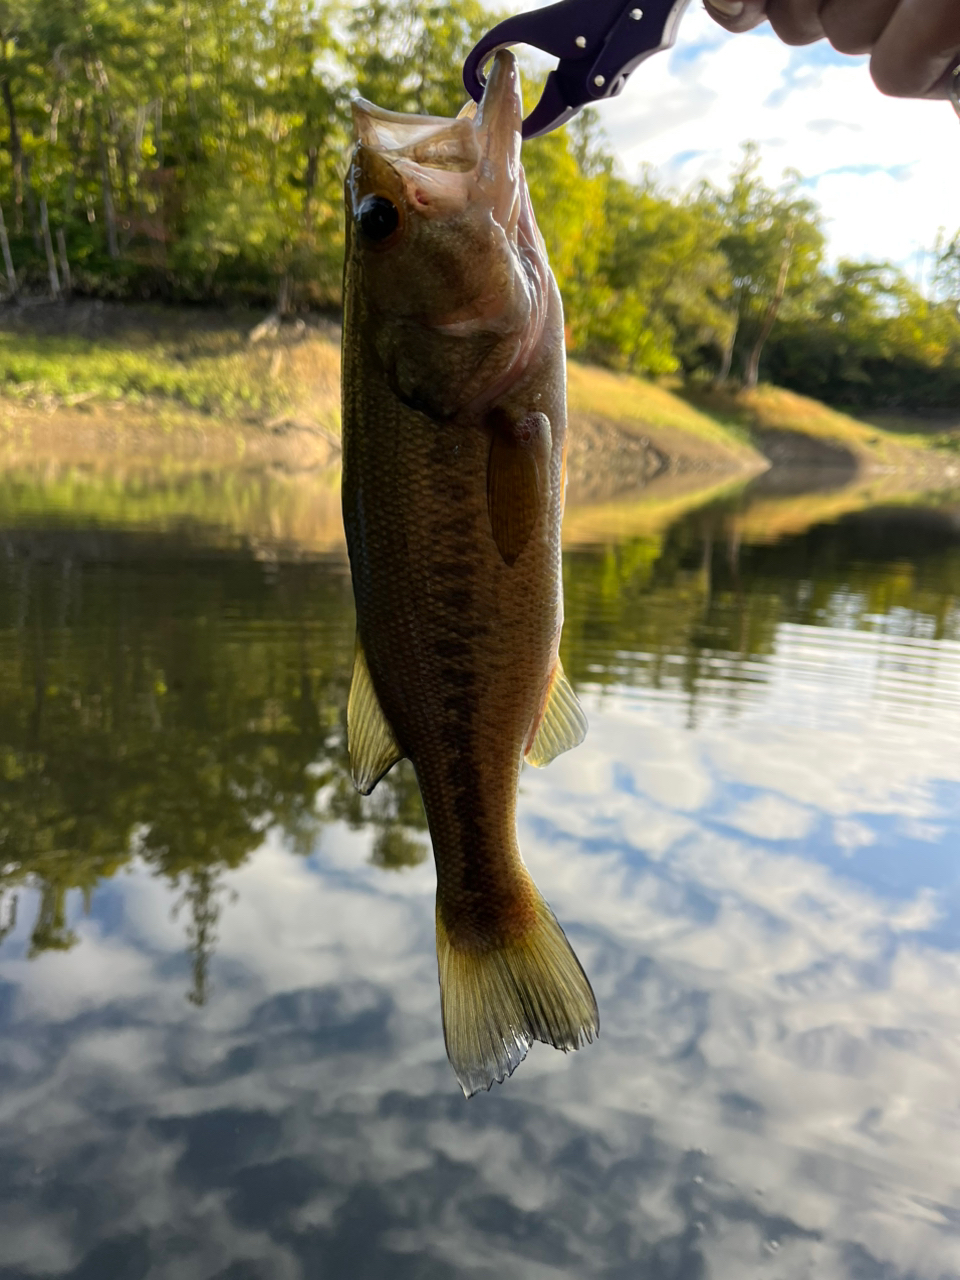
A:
[104,412]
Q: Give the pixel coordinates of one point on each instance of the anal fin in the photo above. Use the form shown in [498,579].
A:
[563,724]
[371,742]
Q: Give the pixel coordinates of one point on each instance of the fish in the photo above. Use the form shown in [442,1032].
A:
[453,480]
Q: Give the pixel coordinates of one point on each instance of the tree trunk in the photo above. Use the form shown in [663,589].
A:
[16,151]
[78,161]
[186,23]
[310,181]
[10,923]
[48,250]
[22,191]
[751,369]
[283,296]
[64,262]
[723,373]
[97,78]
[109,212]
[158,133]
[7,259]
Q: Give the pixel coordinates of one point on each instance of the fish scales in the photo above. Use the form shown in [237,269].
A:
[433,629]
[453,481]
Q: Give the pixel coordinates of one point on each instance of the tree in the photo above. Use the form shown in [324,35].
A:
[871,339]
[774,245]
[407,55]
[667,272]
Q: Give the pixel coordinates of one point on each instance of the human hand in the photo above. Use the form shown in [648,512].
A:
[914,45]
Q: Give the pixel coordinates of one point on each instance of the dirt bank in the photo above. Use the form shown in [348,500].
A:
[96,385]
[828,448]
[101,435]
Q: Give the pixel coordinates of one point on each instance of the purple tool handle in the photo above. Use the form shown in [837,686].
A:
[598,44]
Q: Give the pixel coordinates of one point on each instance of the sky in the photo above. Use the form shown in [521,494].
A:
[886,172]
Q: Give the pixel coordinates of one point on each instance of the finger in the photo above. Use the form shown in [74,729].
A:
[736,15]
[796,21]
[948,85]
[917,49]
[855,28]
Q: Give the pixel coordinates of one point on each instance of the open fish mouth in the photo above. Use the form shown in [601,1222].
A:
[456,282]
[444,165]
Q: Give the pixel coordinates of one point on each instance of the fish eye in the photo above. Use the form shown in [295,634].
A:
[378,218]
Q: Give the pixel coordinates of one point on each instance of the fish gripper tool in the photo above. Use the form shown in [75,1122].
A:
[598,43]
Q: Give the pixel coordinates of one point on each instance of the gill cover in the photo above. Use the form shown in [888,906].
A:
[443,253]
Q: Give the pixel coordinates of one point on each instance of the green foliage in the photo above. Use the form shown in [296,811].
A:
[193,150]
[773,244]
[408,54]
[185,149]
[668,277]
[870,339]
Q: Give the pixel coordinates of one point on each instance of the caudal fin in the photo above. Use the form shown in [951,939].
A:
[496,1002]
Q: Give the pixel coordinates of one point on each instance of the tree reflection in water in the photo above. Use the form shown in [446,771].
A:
[171,707]
[167,703]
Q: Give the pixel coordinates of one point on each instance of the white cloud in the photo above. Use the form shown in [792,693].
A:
[884,170]
[850,835]
[771,818]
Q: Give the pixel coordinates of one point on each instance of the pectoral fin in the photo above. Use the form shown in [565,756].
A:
[514,481]
[371,742]
[563,724]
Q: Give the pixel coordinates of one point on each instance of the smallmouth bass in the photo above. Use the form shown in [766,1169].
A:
[454,416]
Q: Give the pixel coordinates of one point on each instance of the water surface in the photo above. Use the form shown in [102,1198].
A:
[220,1044]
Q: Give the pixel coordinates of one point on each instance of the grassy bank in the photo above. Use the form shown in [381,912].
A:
[771,415]
[96,378]
[160,359]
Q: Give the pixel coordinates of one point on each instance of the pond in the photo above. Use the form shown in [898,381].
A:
[220,1046]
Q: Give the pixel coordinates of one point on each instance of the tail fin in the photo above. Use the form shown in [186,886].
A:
[496,1002]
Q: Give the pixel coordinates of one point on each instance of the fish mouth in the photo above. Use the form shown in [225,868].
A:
[442,164]
[499,120]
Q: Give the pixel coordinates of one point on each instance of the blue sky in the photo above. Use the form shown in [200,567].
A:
[885,172]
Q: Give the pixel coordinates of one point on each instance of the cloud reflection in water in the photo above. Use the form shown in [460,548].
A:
[767,906]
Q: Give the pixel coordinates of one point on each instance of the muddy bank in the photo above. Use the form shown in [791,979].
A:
[117,434]
[607,458]
[801,463]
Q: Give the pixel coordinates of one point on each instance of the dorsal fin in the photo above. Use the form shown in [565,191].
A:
[563,724]
[371,742]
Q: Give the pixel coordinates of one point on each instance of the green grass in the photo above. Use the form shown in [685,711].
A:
[769,408]
[71,368]
[175,359]
[170,360]
[629,399]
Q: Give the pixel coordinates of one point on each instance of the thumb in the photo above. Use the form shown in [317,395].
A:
[737,15]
